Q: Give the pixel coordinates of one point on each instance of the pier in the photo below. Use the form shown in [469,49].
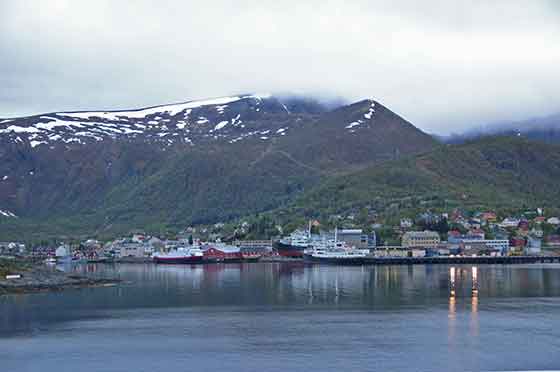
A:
[457,260]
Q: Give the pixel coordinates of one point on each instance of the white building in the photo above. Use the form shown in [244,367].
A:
[533,246]
[406,223]
[500,244]
[131,250]
[510,222]
[62,251]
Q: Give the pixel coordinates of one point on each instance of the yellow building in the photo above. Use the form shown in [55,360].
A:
[420,239]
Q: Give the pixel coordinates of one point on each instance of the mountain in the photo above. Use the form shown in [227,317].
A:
[100,172]
[491,172]
[544,129]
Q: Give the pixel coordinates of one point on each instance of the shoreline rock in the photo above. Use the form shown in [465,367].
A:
[38,279]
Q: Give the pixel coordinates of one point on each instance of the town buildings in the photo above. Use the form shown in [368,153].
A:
[420,239]
[12,248]
[357,238]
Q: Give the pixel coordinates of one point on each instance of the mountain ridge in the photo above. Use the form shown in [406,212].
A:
[544,129]
[243,155]
[502,172]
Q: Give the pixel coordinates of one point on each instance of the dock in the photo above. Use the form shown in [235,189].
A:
[459,260]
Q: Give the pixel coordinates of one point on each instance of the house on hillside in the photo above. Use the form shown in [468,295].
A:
[406,223]
[510,222]
[489,217]
[553,241]
[138,238]
[523,225]
[539,220]
[537,233]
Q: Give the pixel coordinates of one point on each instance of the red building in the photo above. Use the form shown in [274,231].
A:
[221,253]
[523,225]
[517,242]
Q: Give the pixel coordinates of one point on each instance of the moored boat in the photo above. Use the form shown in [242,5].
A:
[341,257]
[335,252]
[294,244]
[250,256]
[181,255]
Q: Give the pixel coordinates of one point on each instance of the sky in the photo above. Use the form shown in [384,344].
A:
[446,66]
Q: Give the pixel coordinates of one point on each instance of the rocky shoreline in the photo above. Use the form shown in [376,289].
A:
[41,279]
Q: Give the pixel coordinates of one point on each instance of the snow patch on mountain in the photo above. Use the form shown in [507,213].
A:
[170,110]
[371,111]
[221,125]
[17,129]
[353,124]
[7,214]
[230,119]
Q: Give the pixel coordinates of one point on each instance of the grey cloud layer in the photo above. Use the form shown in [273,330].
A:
[444,65]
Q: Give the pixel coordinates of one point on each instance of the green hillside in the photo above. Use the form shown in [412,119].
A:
[495,172]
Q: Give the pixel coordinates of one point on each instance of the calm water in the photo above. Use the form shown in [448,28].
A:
[290,317]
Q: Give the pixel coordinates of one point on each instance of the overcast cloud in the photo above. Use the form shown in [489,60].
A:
[444,65]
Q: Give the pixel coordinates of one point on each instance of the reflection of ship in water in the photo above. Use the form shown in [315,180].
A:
[290,268]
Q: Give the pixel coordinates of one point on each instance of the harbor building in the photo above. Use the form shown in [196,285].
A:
[420,239]
[501,245]
[357,238]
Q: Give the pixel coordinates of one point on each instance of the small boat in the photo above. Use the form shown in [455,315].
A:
[181,255]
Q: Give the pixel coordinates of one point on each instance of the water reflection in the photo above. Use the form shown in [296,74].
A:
[459,278]
[452,278]
[474,325]
[455,289]
[291,317]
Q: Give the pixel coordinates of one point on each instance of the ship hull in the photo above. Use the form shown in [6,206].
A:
[211,260]
[178,260]
[334,260]
[288,250]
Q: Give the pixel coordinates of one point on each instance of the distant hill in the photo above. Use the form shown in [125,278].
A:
[544,129]
[502,172]
[106,172]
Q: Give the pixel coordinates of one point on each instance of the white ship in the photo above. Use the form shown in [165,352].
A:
[180,255]
[334,251]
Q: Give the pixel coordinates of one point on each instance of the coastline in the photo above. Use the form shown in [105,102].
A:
[42,279]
